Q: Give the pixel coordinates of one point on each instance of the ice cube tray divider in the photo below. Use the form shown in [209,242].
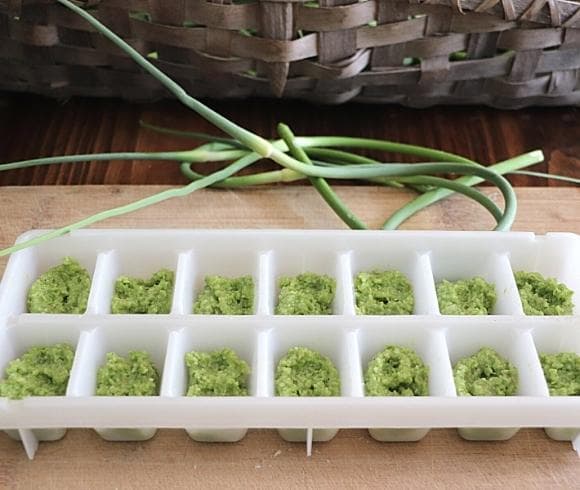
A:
[262,338]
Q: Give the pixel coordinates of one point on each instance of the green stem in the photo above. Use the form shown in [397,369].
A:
[201,154]
[335,141]
[407,170]
[427,182]
[431,197]
[338,156]
[273,177]
[323,188]
[458,185]
[88,157]
[382,145]
[563,178]
[265,148]
[140,204]
[249,139]
[345,157]
[191,135]
[455,186]
[286,175]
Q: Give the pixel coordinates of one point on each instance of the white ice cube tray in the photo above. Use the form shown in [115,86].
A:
[262,338]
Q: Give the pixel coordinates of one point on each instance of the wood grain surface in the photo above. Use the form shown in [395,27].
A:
[32,127]
[262,460]
[539,209]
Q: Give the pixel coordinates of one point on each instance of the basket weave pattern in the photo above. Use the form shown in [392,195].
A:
[504,53]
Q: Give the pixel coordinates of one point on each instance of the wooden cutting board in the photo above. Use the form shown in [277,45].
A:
[262,459]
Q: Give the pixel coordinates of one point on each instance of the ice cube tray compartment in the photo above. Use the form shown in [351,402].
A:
[554,337]
[512,343]
[350,340]
[17,339]
[118,337]
[289,262]
[555,255]
[453,265]
[242,337]
[204,336]
[229,261]
[29,332]
[29,264]
[429,344]
[132,261]
[325,338]
[336,343]
[414,264]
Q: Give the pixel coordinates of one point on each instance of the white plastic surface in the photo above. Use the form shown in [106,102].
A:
[262,338]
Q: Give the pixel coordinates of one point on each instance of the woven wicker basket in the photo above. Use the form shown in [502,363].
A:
[504,53]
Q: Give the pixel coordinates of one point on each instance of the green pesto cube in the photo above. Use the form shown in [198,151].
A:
[305,372]
[543,296]
[306,294]
[218,373]
[473,296]
[135,375]
[383,293]
[396,371]
[562,373]
[40,371]
[485,373]
[225,296]
[144,296]
[61,289]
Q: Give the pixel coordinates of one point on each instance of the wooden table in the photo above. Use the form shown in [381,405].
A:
[262,459]
[32,127]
